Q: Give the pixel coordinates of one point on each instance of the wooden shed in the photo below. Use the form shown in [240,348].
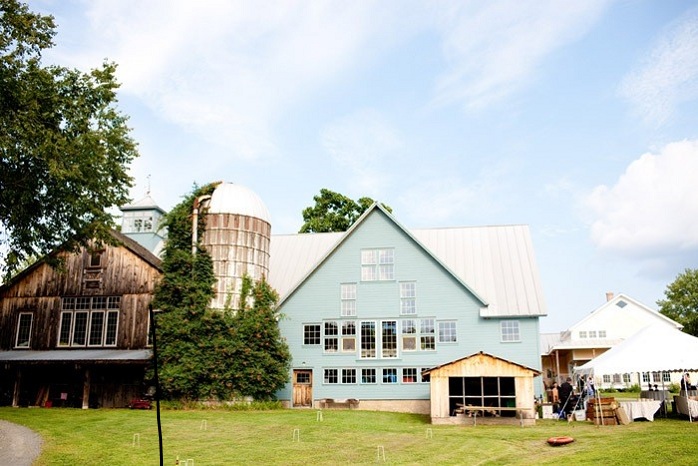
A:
[482,388]
[77,335]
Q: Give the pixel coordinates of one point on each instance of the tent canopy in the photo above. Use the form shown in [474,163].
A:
[655,348]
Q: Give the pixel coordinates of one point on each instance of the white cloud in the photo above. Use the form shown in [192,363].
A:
[669,74]
[652,210]
[366,144]
[494,47]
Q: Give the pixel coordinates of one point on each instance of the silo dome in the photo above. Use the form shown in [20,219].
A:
[237,235]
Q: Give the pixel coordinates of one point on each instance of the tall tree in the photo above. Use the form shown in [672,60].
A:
[64,146]
[334,212]
[681,303]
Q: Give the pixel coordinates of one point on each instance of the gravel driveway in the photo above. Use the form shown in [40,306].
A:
[19,446]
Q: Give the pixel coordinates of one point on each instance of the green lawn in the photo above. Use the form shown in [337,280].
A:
[106,437]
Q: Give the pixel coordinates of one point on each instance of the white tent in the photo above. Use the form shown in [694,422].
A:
[655,348]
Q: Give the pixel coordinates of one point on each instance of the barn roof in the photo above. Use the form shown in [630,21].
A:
[479,355]
[496,262]
[121,240]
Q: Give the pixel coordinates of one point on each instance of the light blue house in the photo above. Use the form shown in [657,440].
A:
[366,311]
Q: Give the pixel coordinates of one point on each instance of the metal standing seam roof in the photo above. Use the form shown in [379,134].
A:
[89,355]
[497,262]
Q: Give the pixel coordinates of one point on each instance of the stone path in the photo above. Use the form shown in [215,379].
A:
[19,445]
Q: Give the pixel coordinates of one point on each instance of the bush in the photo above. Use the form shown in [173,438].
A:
[634,388]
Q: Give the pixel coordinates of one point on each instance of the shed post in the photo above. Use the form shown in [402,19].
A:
[15,394]
[86,390]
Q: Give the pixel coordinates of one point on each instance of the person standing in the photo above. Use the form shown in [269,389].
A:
[565,393]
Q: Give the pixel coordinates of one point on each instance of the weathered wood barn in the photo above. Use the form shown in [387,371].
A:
[77,335]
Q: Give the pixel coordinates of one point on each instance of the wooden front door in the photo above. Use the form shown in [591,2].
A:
[302,388]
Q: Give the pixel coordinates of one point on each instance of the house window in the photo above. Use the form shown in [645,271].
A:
[24,330]
[582,334]
[409,335]
[645,377]
[348,336]
[606,378]
[311,334]
[616,378]
[602,333]
[408,298]
[331,376]
[368,376]
[331,337]
[348,375]
[368,339]
[666,377]
[656,376]
[621,304]
[626,378]
[487,392]
[89,321]
[447,331]
[426,338]
[377,264]
[409,375]
[348,300]
[390,375]
[94,259]
[592,333]
[389,339]
[426,378]
[510,330]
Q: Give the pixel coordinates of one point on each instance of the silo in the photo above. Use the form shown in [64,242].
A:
[238,232]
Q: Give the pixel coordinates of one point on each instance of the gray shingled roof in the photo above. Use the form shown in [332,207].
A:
[87,355]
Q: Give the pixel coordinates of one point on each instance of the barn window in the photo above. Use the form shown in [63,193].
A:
[24,330]
[368,376]
[331,337]
[331,376]
[311,334]
[426,329]
[348,375]
[389,339]
[488,394]
[368,339]
[348,299]
[377,264]
[408,297]
[447,331]
[409,375]
[95,259]
[89,321]
[349,336]
[390,375]
[510,330]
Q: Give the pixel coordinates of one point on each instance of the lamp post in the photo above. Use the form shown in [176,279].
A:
[157,380]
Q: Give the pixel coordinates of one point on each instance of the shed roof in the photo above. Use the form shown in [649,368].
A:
[496,262]
[479,356]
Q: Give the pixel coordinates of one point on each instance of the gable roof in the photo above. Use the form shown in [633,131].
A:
[495,263]
[479,355]
[121,240]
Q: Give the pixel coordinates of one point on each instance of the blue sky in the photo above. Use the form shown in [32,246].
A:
[576,118]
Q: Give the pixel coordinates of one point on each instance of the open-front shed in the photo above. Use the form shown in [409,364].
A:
[482,388]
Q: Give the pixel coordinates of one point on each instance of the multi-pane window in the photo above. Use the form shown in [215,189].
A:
[408,297]
[656,376]
[331,376]
[426,338]
[24,330]
[409,375]
[426,378]
[602,333]
[349,336]
[89,321]
[409,335]
[447,331]
[510,330]
[626,378]
[645,377]
[311,334]
[616,378]
[348,299]
[368,339]
[390,375]
[582,334]
[377,264]
[348,375]
[331,337]
[592,333]
[606,378]
[368,376]
[489,392]
[389,339]
[666,377]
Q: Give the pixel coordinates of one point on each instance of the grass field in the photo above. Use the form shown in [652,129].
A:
[300,437]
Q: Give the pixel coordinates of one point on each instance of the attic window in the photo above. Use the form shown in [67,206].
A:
[94,259]
[621,304]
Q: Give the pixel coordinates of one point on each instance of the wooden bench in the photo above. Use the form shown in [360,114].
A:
[329,403]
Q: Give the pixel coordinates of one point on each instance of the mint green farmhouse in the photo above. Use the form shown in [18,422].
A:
[365,312]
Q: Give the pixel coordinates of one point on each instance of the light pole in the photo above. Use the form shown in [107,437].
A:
[157,380]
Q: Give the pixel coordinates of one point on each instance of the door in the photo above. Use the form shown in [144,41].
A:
[302,388]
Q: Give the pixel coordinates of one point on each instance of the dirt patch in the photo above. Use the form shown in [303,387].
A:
[19,446]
